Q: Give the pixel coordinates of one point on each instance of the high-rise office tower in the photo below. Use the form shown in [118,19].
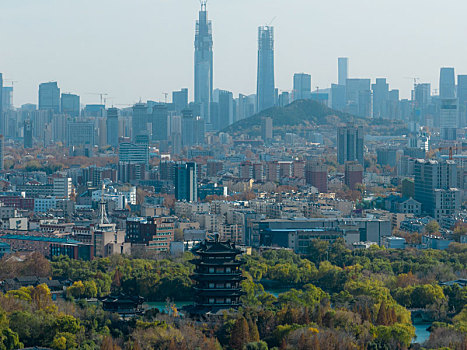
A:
[265,90]
[49,96]
[447,83]
[301,86]
[139,120]
[203,62]
[81,133]
[422,100]
[436,187]
[422,95]
[364,109]
[245,106]
[193,129]
[188,128]
[112,127]
[338,97]
[180,100]
[380,98]
[186,182]
[342,70]
[393,105]
[160,122]
[448,119]
[462,98]
[356,91]
[2,152]
[266,129]
[70,105]
[2,122]
[59,127]
[1,92]
[225,115]
[7,98]
[350,144]
[284,99]
[136,152]
[27,133]
[448,116]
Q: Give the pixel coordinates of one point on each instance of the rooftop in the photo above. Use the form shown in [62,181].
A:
[40,239]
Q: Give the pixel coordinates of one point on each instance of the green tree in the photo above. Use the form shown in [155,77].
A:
[432,227]
[64,341]
[90,289]
[76,290]
[260,345]
[318,250]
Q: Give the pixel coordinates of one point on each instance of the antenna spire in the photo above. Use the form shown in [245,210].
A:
[203,4]
[103,220]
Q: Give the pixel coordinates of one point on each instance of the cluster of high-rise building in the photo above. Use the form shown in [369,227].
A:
[61,118]
[378,165]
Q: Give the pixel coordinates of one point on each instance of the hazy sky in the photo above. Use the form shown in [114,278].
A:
[134,49]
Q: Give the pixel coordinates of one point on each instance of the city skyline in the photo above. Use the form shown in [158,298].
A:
[90,61]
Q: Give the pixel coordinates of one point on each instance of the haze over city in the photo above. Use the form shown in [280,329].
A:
[141,49]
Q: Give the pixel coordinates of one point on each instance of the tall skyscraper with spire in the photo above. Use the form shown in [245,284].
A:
[265,84]
[448,119]
[2,124]
[203,62]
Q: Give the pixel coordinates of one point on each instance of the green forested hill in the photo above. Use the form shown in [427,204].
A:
[312,115]
[303,112]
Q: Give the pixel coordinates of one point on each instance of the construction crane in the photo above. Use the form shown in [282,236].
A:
[101,94]
[272,20]
[451,150]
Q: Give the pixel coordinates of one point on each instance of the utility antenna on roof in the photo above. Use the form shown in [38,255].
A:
[203,4]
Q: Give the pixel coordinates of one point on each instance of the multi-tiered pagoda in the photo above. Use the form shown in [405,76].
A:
[218,275]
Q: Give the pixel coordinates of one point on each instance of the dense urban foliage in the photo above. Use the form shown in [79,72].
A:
[333,298]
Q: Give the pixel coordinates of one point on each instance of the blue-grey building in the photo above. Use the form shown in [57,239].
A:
[193,129]
[180,99]
[160,122]
[112,127]
[342,70]
[139,120]
[27,134]
[394,242]
[203,62]
[350,142]
[338,97]
[301,86]
[186,182]
[49,96]
[224,116]
[435,242]
[380,98]
[2,121]
[265,90]
[70,105]
[136,152]
[80,133]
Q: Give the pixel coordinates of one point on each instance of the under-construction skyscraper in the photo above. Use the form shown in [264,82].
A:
[265,84]
[203,62]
